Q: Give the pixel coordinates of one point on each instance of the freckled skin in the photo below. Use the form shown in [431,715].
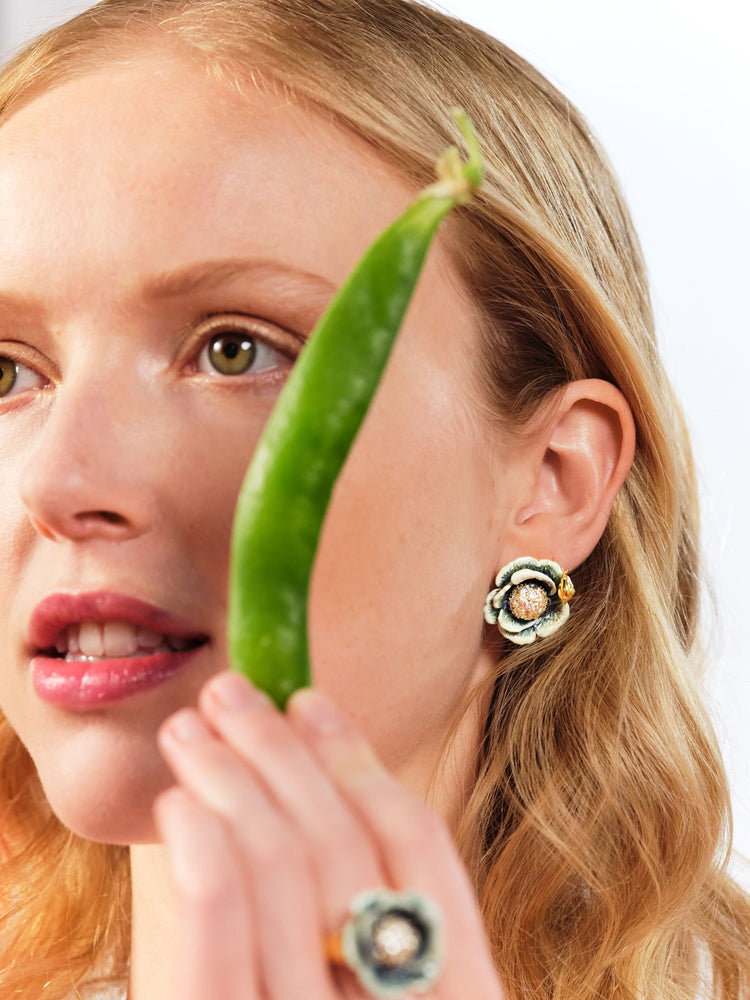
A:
[414,533]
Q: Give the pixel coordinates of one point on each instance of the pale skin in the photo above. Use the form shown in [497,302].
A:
[123,453]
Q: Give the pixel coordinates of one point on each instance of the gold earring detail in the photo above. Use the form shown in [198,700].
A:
[530,599]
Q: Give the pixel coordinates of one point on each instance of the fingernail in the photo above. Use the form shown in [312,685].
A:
[187,727]
[234,693]
[320,713]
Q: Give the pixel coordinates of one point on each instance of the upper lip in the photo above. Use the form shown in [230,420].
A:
[55,612]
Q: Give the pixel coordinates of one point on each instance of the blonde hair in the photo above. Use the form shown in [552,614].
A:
[598,828]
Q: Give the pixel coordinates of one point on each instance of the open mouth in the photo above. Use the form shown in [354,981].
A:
[96,664]
[90,642]
[96,649]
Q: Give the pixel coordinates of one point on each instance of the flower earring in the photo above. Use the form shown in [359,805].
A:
[530,599]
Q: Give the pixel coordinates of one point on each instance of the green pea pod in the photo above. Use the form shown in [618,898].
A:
[308,435]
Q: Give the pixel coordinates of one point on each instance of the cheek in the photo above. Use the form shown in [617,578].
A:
[399,584]
[17,537]
[17,533]
[208,455]
[17,540]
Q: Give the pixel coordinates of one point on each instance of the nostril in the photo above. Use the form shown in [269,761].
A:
[110,516]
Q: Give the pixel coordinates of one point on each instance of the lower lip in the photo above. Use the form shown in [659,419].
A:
[97,684]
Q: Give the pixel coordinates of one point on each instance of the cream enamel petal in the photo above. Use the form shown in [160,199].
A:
[522,575]
[552,621]
[552,569]
[490,611]
[521,638]
[500,594]
[503,577]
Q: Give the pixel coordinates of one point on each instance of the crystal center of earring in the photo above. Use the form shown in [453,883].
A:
[396,940]
[528,601]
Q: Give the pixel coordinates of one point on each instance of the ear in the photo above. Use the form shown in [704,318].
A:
[580,458]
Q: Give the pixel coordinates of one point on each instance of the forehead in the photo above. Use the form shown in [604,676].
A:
[154,159]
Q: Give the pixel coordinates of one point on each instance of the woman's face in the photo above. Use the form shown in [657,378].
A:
[157,234]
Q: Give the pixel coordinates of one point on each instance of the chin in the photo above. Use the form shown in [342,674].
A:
[107,798]
[106,820]
[115,817]
[109,826]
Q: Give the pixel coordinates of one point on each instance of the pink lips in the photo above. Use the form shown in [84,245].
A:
[96,684]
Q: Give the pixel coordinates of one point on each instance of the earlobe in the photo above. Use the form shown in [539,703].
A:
[585,452]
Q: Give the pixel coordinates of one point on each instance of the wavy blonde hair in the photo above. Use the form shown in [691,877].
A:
[598,828]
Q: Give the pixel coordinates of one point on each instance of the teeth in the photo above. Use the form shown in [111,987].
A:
[148,639]
[119,639]
[80,658]
[93,641]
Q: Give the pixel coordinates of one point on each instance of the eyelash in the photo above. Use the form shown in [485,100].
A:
[263,338]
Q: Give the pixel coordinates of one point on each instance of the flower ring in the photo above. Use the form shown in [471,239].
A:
[530,599]
[392,942]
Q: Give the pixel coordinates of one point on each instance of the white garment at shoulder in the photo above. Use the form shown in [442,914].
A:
[115,991]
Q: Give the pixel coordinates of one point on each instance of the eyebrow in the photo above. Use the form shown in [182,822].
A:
[211,274]
[204,276]
[13,302]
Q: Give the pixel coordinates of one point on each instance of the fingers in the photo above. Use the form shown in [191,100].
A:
[272,866]
[312,820]
[343,855]
[216,928]
[417,848]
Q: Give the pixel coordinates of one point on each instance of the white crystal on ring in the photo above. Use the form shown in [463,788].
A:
[395,940]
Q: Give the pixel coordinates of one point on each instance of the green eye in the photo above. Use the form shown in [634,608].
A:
[231,353]
[234,350]
[8,375]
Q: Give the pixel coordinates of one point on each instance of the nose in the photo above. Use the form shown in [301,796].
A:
[86,476]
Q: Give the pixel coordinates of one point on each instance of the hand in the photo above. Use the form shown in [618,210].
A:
[276,823]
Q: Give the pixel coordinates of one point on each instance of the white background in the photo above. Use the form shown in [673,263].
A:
[664,83]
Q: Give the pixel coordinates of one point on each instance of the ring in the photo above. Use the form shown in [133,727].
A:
[392,942]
